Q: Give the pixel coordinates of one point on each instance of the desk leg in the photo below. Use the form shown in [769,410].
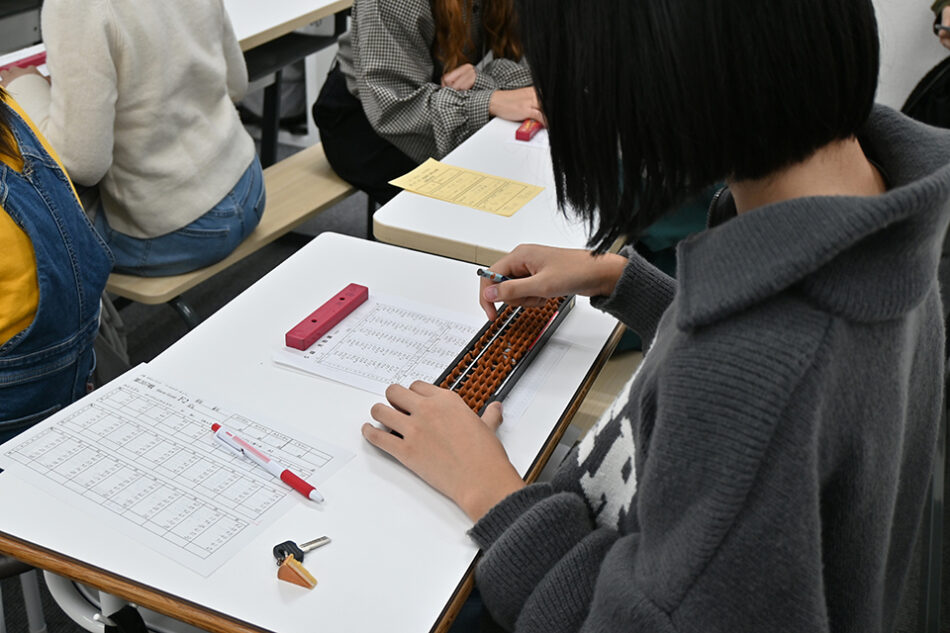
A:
[371,207]
[312,84]
[270,124]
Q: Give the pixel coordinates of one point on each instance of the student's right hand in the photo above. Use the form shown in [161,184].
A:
[462,78]
[8,75]
[516,105]
[945,20]
[541,272]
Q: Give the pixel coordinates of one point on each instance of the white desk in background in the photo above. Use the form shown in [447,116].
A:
[257,22]
[254,22]
[456,231]
[399,556]
[265,32]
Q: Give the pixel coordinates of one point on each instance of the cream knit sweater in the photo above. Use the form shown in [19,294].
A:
[141,103]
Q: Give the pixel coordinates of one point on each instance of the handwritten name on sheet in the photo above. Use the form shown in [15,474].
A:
[468,188]
[386,340]
[138,456]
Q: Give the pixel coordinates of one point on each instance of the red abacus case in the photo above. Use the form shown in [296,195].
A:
[322,320]
[528,129]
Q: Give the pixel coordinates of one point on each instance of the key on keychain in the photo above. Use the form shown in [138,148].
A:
[287,548]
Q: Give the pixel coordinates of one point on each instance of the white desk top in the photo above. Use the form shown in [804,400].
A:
[256,22]
[396,542]
[476,236]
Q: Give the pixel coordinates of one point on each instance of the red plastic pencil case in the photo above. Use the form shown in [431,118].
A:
[33,60]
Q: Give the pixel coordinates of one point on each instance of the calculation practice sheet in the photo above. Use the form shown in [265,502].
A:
[386,340]
[140,455]
[474,189]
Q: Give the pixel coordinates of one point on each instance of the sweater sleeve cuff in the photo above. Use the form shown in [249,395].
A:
[506,512]
[640,297]
[476,107]
[32,93]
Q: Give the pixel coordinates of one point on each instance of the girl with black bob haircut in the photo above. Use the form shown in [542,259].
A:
[766,467]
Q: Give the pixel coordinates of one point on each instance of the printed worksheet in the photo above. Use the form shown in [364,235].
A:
[140,455]
[387,340]
[469,188]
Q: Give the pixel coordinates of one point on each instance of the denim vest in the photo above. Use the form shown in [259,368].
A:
[47,366]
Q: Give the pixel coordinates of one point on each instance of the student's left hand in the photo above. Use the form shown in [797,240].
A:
[8,75]
[446,444]
[462,78]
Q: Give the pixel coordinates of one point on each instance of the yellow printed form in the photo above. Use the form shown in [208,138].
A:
[466,187]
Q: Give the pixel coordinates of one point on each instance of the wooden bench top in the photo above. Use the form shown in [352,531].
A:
[298,188]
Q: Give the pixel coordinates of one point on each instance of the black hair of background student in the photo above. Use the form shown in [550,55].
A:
[675,126]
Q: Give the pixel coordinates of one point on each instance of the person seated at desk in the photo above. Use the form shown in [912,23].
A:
[404,87]
[53,268]
[142,104]
[766,467]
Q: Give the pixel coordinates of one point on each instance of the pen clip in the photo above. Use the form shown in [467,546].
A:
[223,443]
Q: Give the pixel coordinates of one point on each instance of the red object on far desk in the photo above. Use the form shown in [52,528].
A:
[528,129]
[33,60]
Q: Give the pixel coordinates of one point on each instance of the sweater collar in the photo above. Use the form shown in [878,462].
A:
[865,258]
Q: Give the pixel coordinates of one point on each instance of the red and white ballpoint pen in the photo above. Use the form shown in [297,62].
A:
[233,442]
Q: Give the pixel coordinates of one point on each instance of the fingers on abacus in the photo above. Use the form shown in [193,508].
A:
[400,397]
[493,416]
[387,415]
[388,442]
[533,302]
[424,388]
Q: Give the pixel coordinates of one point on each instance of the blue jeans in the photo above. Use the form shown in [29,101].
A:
[40,389]
[207,240]
[48,365]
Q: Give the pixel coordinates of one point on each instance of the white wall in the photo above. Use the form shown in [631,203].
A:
[908,47]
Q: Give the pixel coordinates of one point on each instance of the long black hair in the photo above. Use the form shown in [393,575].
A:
[7,143]
[650,100]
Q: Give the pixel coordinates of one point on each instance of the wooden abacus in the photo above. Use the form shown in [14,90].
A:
[490,365]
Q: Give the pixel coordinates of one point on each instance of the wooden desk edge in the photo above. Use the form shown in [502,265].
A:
[143,595]
[215,622]
[273,33]
[465,587]
[427,244]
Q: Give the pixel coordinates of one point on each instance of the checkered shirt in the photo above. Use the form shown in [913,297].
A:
[387,60]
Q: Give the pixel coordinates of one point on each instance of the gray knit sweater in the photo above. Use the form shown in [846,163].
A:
[766,468]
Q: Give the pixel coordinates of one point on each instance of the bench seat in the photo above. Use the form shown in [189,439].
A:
[298,188]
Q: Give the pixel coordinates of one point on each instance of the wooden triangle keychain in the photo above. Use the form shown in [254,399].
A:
[290,557]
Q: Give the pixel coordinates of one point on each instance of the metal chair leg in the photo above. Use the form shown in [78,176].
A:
[35,619]
[185,311]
